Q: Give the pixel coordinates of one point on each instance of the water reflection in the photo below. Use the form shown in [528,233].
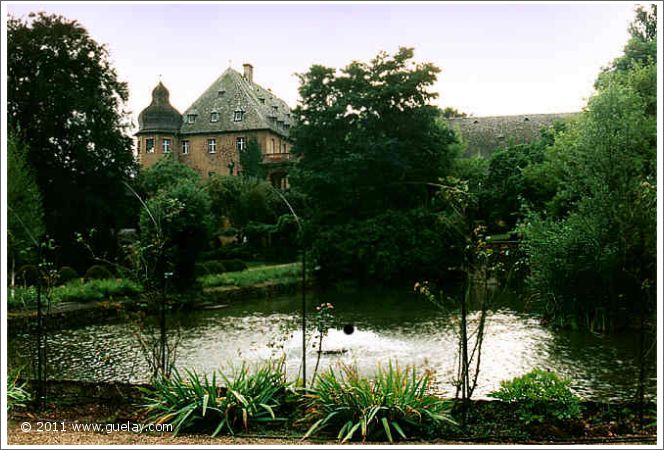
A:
[389,325]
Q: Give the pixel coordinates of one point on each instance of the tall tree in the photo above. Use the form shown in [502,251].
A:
[65,99]
[25,225]
[368,137]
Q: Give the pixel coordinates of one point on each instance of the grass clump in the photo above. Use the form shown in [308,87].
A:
[198,404]
[17,394]
[540,396]
[281,274]
[393,405]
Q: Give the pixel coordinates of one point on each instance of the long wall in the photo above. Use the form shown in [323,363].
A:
[198,156]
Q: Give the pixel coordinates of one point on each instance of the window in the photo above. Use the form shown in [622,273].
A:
[214,117]
[149,145]
[220,92]
[191,118]
[262,100]
[166,145]
[272,147]
[212,146]
[241,144]
[185,147]
[138,145]
[237,116]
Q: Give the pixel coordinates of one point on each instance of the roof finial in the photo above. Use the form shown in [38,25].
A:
[160,78]
[230,62]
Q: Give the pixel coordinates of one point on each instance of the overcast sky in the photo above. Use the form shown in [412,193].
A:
[495,58]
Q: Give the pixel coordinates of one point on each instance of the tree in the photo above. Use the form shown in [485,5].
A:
[593,256]
[25,225]
[65,99]
[367,137]
[450,112]
[251,160]
[175,223]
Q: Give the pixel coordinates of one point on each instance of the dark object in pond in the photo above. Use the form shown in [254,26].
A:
[335,352]
[349,328]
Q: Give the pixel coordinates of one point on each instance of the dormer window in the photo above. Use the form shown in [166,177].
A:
[262,100]
[214,116]
[238,115]
[191,118]
[221,92]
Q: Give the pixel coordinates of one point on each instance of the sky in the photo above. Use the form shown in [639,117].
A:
[496,59]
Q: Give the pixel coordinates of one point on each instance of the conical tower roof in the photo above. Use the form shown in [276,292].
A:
[160,116]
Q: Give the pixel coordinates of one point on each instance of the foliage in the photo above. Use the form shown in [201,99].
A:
[78,291]
[97,272]
[277,241]
[283,273]
[174,228]
[234,265]
[17,394]
[324,319]
[25,217]
[541,397]
[367,138]
[198,404]
[241,200]
[251,159]
[450,112]
[597,260]
[65,101]
[394,245]
[28,275]
[163,175]
[393,405]
[67,274]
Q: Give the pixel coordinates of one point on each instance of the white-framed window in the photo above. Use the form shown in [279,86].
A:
[149,145]
[214,116]
[241,144]
[212,146]
[238,115]
[185,147]
[166,145]
[191,118]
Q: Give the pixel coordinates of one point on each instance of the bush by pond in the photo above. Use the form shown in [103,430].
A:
[540,397]
[284,273]
[67,274]
[395,404]
[97,272]
[248,398]
[76,291]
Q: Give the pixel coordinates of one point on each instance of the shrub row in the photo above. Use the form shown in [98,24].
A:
[395,404]
[28,275]
[216,267]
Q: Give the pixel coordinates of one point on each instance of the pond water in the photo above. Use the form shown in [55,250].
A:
[389,325]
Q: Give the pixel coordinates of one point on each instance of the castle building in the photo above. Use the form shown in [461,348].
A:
[212,132]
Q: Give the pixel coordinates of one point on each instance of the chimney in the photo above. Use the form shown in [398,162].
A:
[248,72]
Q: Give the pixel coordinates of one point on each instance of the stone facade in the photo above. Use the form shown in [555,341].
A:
[210,134]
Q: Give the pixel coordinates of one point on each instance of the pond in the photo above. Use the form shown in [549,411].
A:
[389,325]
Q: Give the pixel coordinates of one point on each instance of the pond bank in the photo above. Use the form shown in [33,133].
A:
[74,314]
[490,422]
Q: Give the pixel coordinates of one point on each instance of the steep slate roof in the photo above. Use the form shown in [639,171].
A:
[232,92]
[483,135]
[160,116]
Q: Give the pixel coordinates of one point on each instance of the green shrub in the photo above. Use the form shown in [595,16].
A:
[234,265]
[198,404]
[23,297]
[67,274]
[27,275]
[393,405]
[77,291]
[215,267]
[17,394]
[97,272]
[540,396]
[285,273]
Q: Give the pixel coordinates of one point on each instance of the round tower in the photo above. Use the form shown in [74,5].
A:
[158,128]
